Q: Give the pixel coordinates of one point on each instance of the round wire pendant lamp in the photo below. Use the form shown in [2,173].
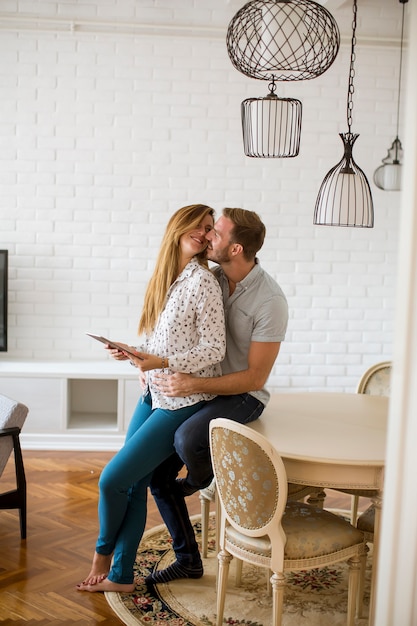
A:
[283,39]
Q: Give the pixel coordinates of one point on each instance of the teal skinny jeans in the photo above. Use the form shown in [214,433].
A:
[124,482]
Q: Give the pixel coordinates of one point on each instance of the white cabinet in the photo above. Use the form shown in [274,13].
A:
[77,405]
[43,396]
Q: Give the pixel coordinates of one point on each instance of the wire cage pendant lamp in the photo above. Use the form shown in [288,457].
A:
[279,40]
[271,126]
[345,197]
[388,175]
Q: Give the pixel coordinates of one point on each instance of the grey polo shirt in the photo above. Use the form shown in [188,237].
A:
[256,311]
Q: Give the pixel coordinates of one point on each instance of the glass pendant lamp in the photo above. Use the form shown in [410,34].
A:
[388,175]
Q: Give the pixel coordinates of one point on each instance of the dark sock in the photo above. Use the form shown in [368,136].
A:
[174,571]
[185,487]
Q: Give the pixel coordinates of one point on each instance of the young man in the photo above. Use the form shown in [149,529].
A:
[256,321]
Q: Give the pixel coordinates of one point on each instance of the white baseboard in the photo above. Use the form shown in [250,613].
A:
[68,441]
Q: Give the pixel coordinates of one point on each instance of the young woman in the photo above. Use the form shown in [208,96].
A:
[183,324]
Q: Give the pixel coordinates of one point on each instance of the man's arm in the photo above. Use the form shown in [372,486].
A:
[261,358]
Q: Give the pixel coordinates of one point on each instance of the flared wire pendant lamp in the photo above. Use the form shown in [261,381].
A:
[279,40]
[345,197]
[388,175]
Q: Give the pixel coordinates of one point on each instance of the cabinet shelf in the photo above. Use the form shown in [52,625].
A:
[93,421]
[92,403]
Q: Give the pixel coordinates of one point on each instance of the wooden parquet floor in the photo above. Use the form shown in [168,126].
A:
[38,575]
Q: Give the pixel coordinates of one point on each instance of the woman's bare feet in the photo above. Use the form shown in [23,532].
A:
[99,569]
[107,585]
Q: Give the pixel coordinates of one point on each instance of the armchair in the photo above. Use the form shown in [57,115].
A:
[12,418]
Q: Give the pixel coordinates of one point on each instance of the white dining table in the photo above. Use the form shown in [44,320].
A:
[331,440]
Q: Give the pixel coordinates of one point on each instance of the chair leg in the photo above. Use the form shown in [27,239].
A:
[21,485]
[354,509]
[268,582]
[361,592]
[217,520]
[16,498]
[224,559]
[238,571]
[22,518]
[205,513]
[278,584]
[354,575]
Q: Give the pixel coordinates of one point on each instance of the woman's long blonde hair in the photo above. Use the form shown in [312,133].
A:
[167,264]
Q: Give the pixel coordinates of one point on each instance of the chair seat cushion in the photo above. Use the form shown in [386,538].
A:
[366,493]
[366,521]
[310,531]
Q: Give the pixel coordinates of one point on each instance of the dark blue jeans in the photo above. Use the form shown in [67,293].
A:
[192,449]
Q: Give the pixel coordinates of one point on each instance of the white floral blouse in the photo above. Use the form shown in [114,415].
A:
[190,331]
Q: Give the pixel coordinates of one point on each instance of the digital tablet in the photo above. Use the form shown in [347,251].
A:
[113,344]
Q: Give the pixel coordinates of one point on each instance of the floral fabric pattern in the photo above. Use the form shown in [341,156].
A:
[250,500]
[380,383]
[190,332]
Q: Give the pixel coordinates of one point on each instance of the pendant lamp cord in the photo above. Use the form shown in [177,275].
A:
[351,88]
[401,63]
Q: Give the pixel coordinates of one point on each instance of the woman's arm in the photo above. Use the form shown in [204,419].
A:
[262,356]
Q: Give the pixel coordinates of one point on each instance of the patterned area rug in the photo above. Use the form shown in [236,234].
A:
[312,598]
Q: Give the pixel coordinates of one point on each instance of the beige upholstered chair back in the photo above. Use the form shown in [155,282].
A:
[376,381]
[251,483]
[12,414]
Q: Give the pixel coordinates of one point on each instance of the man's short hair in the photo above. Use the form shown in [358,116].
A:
[248,230]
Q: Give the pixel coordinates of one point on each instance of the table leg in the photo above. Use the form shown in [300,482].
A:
[377,501]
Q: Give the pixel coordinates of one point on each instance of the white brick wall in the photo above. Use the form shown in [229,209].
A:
[104,136]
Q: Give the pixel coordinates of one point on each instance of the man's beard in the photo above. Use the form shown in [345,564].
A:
[219,256]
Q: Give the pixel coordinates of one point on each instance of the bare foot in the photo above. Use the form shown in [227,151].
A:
[107,585]
[99,569]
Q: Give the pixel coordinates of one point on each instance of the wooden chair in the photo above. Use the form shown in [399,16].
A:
[365,523]
[208,495]
[376,381]
[12,418]
[252,490]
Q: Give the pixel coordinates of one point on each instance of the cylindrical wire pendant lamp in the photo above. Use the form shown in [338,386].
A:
[271,126]
[279,40]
